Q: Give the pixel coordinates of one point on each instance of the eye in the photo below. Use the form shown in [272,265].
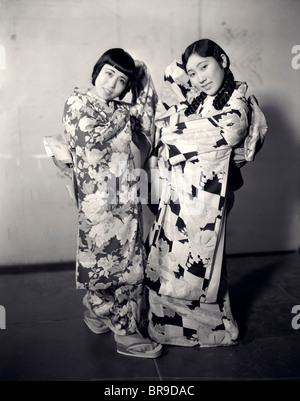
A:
[109,73]
[122,81]
[203,67]
[192,74]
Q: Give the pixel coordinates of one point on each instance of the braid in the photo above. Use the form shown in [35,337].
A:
[221,98]
[225,92]
[195,104]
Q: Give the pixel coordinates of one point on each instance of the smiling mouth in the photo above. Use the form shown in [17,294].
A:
[108,92]
[206,86]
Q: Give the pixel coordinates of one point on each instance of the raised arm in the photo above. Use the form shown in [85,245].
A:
[142,111]
[92,128]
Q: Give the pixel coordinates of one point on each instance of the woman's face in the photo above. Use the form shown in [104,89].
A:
[110,83]
[205,73]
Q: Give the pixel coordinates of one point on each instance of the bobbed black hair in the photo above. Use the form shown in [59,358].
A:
[208,48]
[119,59]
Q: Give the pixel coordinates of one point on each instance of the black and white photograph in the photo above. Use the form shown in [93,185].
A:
[150,194]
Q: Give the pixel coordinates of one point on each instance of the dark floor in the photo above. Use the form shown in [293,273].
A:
[46,340]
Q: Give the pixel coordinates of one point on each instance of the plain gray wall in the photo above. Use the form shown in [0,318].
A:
[49,46]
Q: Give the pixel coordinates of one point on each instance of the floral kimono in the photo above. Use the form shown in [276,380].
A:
[111,257]
[185,272]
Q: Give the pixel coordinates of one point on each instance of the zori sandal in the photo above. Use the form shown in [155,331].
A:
[94,323]
[139,347]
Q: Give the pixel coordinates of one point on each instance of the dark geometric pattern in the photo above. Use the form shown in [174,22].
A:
[186,241]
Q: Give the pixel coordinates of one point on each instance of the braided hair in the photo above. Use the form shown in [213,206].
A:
[208,48]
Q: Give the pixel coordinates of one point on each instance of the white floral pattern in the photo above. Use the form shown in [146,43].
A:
[111,256]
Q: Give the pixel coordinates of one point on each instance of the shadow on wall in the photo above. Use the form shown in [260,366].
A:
[283,176]
[265,217]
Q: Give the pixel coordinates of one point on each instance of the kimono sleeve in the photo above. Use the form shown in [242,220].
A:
[255,137]
[226,129]
[233,124]
[257,130]
[143,109]
[87,127]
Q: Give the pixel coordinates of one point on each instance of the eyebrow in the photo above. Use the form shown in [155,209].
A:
[201,62]
[110,68]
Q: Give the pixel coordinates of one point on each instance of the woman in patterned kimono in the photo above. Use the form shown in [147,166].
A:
[207,130]
[99,131]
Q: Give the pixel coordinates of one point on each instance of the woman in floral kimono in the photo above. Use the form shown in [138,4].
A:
[207,129]
[100,131]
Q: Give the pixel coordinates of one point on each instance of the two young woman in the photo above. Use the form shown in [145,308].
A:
[199,136]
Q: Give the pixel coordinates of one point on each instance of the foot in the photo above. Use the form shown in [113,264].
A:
[95,324]
[138,346]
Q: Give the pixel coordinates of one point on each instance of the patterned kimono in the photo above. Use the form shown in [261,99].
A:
[185,272]
[111,256]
